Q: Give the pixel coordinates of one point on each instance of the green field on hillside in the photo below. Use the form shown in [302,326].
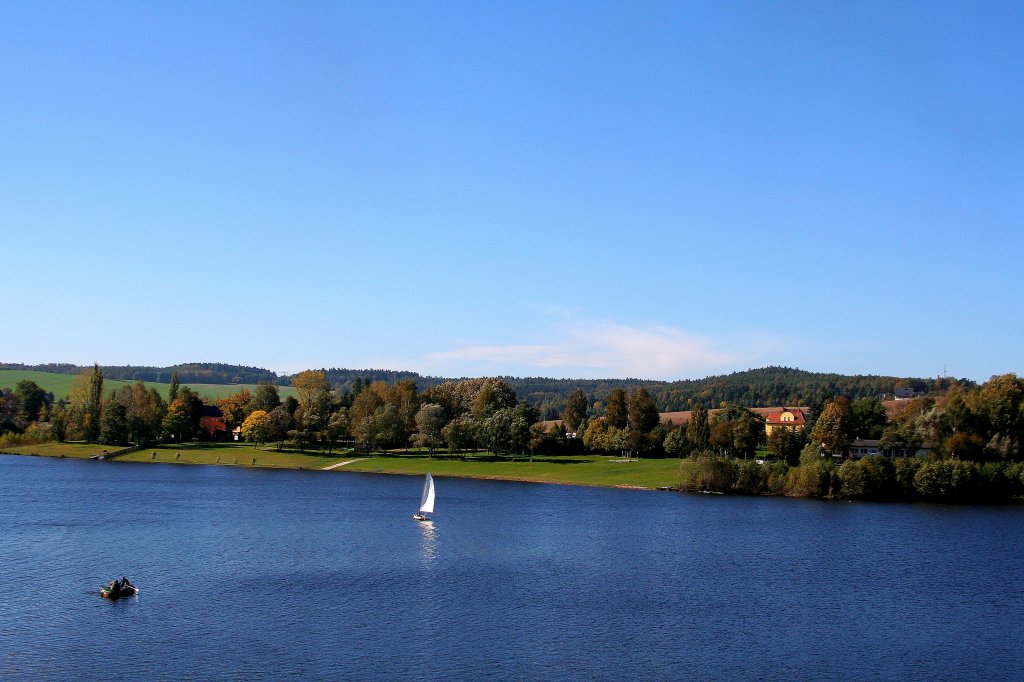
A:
[58,384]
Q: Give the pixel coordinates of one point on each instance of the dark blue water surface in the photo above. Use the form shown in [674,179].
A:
[250,574]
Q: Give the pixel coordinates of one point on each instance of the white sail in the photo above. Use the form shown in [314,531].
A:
[427,501]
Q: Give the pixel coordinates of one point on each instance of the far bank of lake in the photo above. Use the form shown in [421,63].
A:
[872,478]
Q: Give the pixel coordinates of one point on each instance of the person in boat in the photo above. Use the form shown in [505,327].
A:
[118,585]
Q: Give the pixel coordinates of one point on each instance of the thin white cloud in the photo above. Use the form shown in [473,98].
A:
[595,350]
[530,354]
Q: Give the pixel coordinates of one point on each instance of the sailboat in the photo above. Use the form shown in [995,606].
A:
[427,500]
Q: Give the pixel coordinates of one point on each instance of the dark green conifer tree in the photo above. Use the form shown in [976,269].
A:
[173,392]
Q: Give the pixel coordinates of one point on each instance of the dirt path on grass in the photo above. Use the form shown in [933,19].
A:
[341,464]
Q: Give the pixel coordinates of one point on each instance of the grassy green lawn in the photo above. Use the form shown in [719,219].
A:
[190,453]
[72,450]
[575,470]
[231,454]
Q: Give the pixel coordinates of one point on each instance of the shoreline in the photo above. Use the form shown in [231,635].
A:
[589,471]
[575,470]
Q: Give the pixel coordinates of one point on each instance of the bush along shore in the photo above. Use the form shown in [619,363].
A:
[906,479]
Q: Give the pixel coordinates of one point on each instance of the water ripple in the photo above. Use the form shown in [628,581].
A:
[264,575]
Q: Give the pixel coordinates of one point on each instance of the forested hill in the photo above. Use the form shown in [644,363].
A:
[189,373]
[771,386]
[764,387]
[343,379]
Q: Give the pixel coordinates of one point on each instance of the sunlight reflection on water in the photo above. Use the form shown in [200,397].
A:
[428,541]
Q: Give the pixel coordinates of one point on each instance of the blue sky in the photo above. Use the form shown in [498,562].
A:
[574,189]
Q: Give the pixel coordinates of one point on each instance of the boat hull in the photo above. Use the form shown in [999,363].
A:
[107,593]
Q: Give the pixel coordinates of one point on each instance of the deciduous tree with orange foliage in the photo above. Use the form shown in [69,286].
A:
[236,407]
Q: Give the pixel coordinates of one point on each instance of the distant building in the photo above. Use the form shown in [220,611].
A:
[792,418]
[863,447]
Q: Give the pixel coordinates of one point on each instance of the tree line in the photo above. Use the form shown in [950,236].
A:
[905,479]
[973,440]
[763,387]
[460,416]
[132,413]
[977,423]
[973,435]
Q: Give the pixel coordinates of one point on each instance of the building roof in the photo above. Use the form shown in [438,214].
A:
[212,424]
[212,411]
[775,418]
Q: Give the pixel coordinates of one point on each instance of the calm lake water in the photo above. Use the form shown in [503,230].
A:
[249,574]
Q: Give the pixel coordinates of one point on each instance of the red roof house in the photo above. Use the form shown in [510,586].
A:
[792,418]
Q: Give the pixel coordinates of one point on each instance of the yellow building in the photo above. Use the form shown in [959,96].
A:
[792,418]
